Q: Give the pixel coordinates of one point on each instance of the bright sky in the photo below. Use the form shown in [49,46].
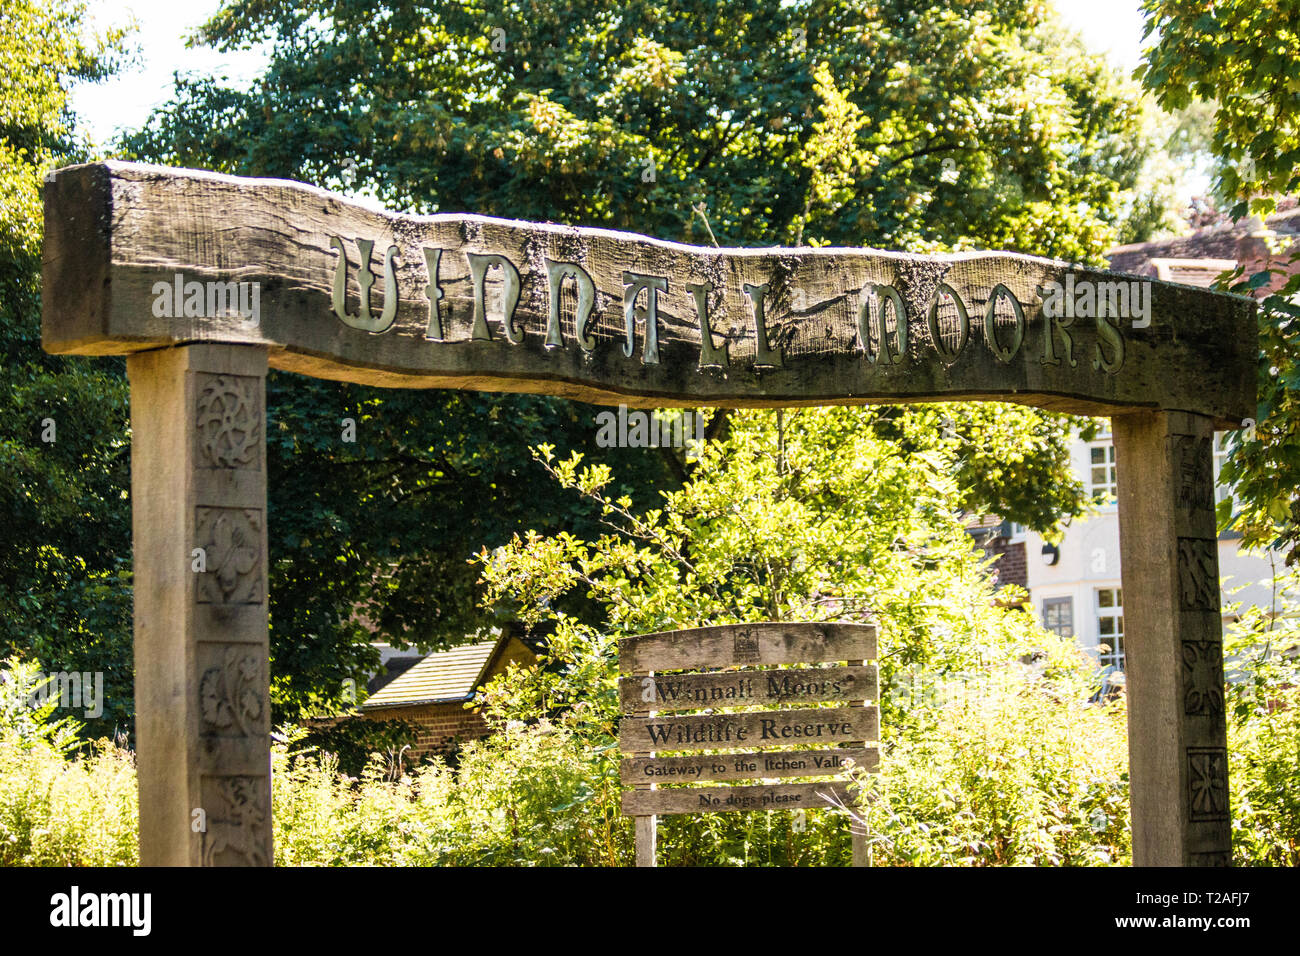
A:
[125,101]
[1113,27]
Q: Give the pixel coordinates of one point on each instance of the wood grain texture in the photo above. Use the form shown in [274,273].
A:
[670,692]
[202,682]
[778,796]
[1173,641]
[732,645]
[113,230]
[769,728]
[745,766]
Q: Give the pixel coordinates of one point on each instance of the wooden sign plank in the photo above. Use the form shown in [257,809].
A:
[669,692]
[778,796]
[773,728]
[731,645]
[745,766]
[136,255]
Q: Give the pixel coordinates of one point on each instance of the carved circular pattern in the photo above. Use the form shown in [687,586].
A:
[229,421]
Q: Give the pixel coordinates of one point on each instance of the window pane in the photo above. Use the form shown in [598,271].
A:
[1105,598]
[1098,455]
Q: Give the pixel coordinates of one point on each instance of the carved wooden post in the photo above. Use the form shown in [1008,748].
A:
[1173,643]
[198,487]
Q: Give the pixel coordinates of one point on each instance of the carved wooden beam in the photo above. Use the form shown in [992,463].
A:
[141,257]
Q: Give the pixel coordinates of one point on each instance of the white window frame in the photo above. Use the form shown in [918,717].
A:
[1220,456]
[1115,613]
[1065,600]
[1109,487]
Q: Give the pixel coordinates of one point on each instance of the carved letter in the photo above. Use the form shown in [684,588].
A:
[1054,321]
[763,355]
[963,323]
[882,293]
[478,267]
[1111,335]
[364,320]
[556,273]
[710,355]
[990,327]
[632,286]
[432,258]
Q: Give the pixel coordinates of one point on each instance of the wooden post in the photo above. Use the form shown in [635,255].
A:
[198,488]
[1173,643]
[646,840]
[647,835]
[861,846]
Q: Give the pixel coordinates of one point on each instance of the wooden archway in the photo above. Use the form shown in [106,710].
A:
[203,281]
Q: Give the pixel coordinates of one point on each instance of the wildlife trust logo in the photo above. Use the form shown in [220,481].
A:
[208,300]
[638,429]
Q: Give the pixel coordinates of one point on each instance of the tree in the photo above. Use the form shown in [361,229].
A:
[65,598]
[993,753]
[742,123]
[1245,58]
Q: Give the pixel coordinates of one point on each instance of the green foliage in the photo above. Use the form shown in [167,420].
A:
[65,550]
[58,807]
[354,743]
[1012,765]
[374,537]
[1263,468]
[531,796]
[1244,57]
[810,515]
[1263,654]
[826,122]
[895,124]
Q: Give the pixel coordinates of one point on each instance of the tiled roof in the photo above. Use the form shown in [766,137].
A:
[1219,242]
[981,523]
[442,676]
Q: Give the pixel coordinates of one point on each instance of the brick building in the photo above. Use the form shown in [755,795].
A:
[433,692]
[993,536]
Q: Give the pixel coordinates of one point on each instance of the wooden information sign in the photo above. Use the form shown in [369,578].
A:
[205,281]
[652,722]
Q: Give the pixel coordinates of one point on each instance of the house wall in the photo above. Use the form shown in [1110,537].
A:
[442,727]
[1090,560]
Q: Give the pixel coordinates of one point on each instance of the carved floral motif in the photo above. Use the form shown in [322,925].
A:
[232,541]
[230,696]
[1198,574]
[1207,783]
[1193,472]
[1202,678]
[229,422]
